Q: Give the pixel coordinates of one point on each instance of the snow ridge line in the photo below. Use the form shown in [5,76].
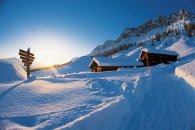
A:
[108,109]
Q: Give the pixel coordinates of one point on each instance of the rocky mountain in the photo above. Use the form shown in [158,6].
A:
[146,31]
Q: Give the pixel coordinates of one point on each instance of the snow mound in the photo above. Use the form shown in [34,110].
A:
[11,72]
[187,71]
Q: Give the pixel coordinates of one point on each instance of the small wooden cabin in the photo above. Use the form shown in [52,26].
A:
[99,64]
[151,57]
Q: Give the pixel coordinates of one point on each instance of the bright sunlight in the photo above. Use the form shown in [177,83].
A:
[51,48]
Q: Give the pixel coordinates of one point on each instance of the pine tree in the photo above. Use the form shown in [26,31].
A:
[157,37]
[189,29]
[177,32]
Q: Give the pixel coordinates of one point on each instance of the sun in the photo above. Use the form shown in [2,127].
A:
[53,47]
[49,49]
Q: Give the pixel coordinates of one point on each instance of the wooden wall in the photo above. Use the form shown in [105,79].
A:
[150,59]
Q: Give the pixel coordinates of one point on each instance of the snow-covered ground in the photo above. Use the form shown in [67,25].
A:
[140,98]
[187,71]
[161,97]
[148,100]
[11,72]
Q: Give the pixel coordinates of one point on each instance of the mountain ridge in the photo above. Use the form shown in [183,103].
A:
[140,32]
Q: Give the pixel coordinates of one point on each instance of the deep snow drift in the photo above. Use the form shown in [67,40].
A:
[187,71]
[11,72]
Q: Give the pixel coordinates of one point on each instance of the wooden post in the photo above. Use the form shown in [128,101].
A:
[28,71]
[28,66]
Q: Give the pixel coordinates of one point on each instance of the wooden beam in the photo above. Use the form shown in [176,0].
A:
[25,61]
[26,54]
[22,51]
[25,58]
[30,54]
[31,57]
[27,64]
[22,54]
[22,57]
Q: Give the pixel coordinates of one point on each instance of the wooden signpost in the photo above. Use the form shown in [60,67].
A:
[27,59]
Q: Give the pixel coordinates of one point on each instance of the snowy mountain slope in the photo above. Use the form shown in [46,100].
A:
[107,44]
[147,31]
[11,72]
[185,47]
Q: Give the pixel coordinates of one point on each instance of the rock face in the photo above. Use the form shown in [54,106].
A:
[106,44]
[144,28]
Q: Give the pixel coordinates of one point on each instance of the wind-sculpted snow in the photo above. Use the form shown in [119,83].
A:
[187,71]
[137,98]
[148,101]
[11,72]
[47,102]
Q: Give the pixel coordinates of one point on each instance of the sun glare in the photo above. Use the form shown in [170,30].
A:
[50,49]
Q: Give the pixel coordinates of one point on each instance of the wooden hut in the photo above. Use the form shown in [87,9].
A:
[151,57]
[99,64]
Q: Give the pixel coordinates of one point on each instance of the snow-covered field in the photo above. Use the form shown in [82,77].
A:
[146,98]
[161,97]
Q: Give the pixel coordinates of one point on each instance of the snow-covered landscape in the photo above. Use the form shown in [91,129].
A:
[160,97]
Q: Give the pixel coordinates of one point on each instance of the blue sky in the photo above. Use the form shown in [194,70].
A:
[58,30]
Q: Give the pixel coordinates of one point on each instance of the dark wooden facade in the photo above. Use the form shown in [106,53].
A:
[96,68]
[150,59]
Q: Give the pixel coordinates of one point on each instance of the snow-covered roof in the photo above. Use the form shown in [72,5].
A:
[105,61]
[158,51]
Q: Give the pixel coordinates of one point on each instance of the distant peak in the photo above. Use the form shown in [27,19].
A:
[184,12]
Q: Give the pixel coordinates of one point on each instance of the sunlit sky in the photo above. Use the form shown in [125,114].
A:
[59,30]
